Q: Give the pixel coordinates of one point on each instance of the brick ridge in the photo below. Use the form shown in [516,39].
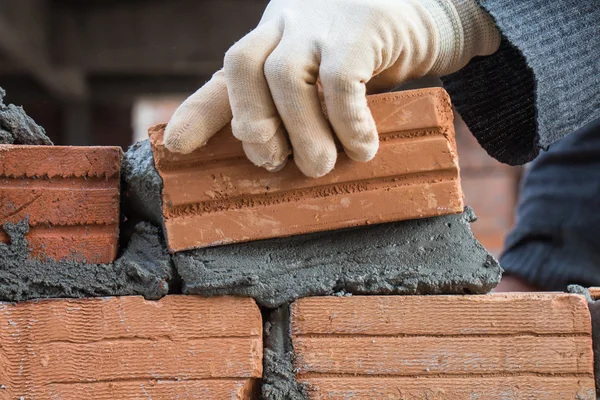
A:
[156,135]
[281,197]
[39,168]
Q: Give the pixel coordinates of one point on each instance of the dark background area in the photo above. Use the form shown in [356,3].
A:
[78,67]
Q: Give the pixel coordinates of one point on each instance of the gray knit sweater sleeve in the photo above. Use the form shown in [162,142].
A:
[542,84]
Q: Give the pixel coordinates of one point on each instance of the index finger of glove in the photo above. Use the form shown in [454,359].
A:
[199,117]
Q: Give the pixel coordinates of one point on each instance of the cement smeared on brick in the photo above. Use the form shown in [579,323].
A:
[141,186]
[430,256]
[279,381]
[143,269]
[16,127]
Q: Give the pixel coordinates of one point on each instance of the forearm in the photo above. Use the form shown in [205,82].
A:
[542,84]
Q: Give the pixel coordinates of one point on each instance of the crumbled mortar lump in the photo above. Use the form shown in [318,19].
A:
[143,269]
[429,256]
[279,381]
[16,127]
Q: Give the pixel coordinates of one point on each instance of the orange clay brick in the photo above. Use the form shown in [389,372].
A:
[216,196]
[70,196]
[517,346]
[129,348]
[595,292]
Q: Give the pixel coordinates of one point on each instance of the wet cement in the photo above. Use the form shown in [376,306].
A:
[429,256]
[16,127]
[279,382]
[143,269]
[141,186]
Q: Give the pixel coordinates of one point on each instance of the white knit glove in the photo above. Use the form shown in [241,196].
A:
[269,80]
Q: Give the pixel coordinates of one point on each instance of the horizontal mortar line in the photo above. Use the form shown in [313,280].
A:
[397,136]
[441,335]
[425,375]
[142,380]
[344,189]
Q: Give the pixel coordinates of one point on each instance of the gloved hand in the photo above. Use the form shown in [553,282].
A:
[269,80]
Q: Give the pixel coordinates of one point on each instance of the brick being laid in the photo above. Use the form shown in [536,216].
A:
[129,348]
[216,196]
[518,346]
[69,195]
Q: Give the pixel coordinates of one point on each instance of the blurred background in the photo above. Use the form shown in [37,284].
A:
[100,72]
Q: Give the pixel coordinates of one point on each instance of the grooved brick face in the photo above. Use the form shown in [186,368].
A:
[216,196]
[517,346]
[70,196]
[182,347]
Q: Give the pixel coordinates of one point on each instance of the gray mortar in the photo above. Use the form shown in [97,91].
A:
[141,186]
[144,269]
[594,307]
[279,381]
[429,256]
[18,128]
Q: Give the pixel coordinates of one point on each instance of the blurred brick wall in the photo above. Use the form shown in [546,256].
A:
[490,188]
[149,111]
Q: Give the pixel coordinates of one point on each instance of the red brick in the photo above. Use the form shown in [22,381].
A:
[70,196]
[216,196]
[534,346]
[129,348]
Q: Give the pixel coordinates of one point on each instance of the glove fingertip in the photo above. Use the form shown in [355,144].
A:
[364,152]
[179,139]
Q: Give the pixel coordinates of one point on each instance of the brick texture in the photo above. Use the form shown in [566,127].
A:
[518,346]
[129,348]
[70,196]
[216,196]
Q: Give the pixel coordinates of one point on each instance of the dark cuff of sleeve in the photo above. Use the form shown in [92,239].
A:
[495,96]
